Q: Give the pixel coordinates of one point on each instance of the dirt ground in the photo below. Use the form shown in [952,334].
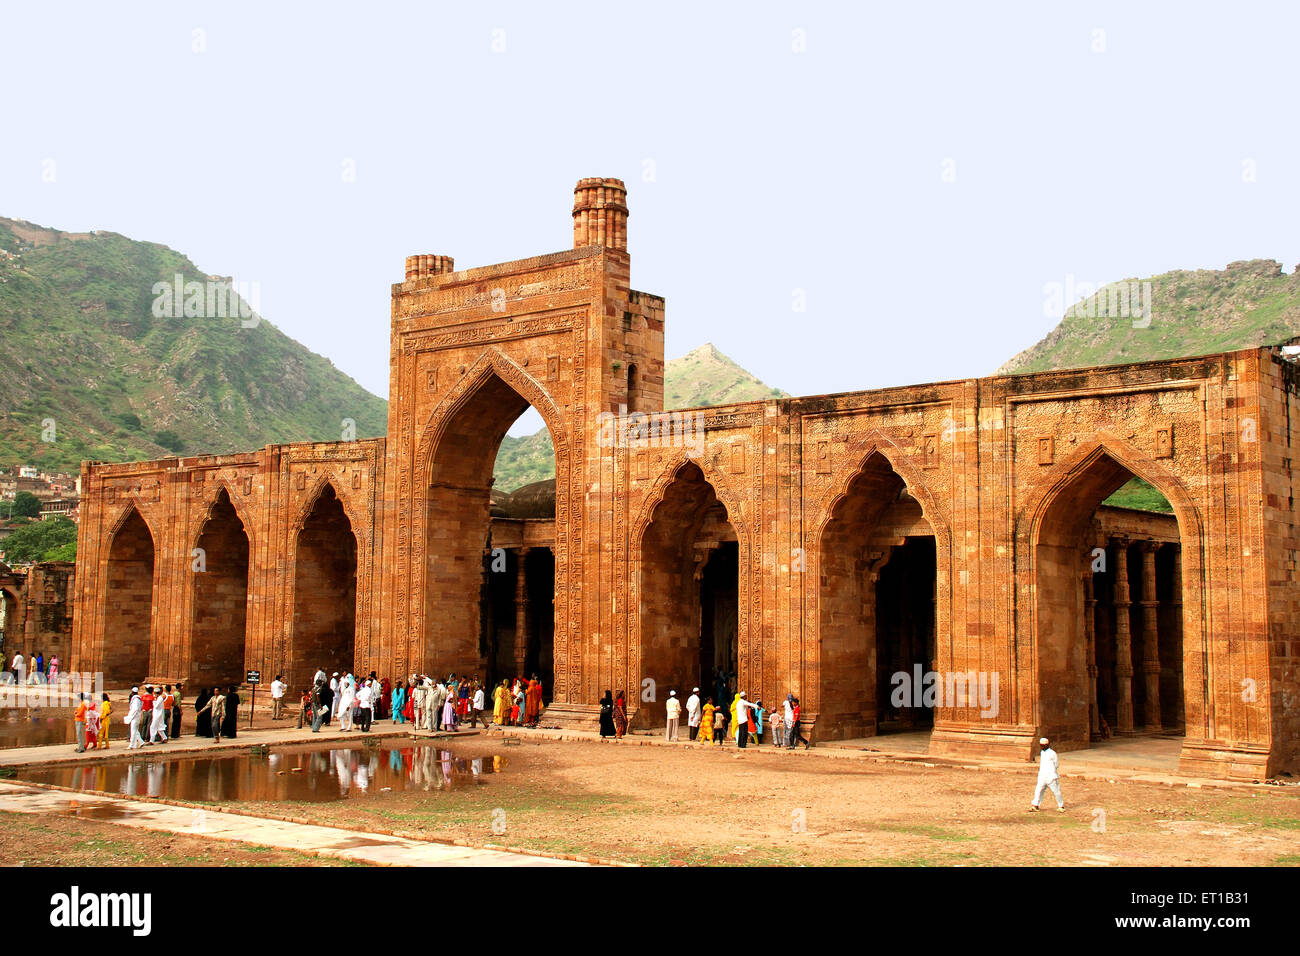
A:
[697,805]
[28,840]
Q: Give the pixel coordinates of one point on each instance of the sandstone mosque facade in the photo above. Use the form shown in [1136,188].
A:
[818,545]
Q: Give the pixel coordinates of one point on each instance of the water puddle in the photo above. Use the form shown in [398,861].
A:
[36,727]
[312,774]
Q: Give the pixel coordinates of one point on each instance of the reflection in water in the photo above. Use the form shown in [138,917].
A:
[312,775]
[36,727]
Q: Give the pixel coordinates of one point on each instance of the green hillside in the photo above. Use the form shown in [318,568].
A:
[1192,313]
[707,377]
[1249,303]
[80,344]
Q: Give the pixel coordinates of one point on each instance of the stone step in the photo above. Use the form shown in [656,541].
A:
[564,716]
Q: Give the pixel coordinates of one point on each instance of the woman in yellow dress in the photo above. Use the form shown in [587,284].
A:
[735,728]
[706,722]
[105,709]
[500,704]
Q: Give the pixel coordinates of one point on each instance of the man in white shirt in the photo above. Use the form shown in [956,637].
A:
[693,711]
[278,687]
[674,714]
[1049,776]
[17,667]
[334,686]
[132,719]
[477,712]
[743,707]
[365,701]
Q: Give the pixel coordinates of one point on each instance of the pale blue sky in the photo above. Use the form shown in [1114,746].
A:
[774,170]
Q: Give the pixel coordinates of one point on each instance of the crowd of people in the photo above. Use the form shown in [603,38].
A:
[153,716]
[424,702]
[734,716]
[34,669]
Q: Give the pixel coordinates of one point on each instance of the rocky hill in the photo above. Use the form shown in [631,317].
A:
[1176,314]
[99,361]
[1247,304]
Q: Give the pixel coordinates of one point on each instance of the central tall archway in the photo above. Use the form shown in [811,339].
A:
[460,556]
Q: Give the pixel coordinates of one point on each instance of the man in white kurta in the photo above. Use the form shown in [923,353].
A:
[1049,775]
[132,719]
[693,711]
[158,722]
[674,708]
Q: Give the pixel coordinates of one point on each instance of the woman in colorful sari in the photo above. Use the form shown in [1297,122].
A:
[533,699]
[501,702]
[620,715]
[462,700]
[449,714]
[399,703]
[706,722]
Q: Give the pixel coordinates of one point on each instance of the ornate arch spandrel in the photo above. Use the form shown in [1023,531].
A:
[209,503]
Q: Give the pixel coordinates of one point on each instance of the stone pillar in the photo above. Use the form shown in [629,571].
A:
[1123,642]
[1090,634]
[521,611]
[1176,600]
[1150,636]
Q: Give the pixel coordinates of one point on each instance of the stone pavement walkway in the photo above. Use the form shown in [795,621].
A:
[321,841]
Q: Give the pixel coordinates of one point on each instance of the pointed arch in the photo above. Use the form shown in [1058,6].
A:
[329,479]
[1055,619]
[848,604]
[876,442]
[323,606]
[1107,443]
[218,595]
[130,572]
[693,632]
[672,468]
[123,514]
[204,512]
[452,476]
[490,364]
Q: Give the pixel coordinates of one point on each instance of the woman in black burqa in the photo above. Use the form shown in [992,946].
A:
[607,715]
[203,718]
[230,722]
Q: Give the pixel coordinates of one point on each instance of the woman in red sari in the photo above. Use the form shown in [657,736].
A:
[620,715]
[533,697]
